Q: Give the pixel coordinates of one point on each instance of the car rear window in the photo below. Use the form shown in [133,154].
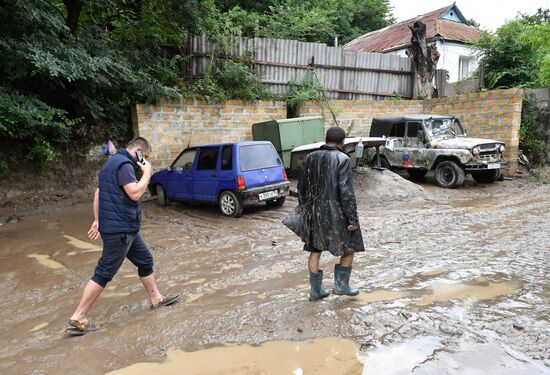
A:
[254,157]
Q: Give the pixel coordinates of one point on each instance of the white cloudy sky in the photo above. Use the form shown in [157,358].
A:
[489,13]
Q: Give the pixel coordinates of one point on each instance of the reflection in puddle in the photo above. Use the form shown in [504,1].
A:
[82,245]
[38,327]
[328,356]
[401,358]
[482,290]
[116,294]
[380,295]
[45,260]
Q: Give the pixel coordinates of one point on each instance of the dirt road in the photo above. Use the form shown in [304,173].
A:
[453,281]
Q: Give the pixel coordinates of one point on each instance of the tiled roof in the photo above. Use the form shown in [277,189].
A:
[399,34]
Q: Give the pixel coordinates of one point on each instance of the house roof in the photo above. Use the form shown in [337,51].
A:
[398,35]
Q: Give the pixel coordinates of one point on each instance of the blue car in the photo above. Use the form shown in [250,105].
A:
[233,175]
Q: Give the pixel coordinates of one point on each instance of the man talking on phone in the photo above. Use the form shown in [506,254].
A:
[117,219]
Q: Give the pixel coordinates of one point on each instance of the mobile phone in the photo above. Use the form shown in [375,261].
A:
[139,156]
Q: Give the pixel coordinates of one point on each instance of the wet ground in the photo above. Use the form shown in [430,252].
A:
[454,281]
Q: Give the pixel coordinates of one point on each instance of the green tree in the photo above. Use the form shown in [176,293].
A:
[72,69]
[518,54]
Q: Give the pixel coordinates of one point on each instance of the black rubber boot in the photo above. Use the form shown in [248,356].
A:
[341,281]
[317,292]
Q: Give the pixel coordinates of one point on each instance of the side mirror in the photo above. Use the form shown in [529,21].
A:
[178,169]
[169,169]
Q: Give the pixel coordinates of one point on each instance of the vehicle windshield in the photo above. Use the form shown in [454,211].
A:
[445,127]
[255,157]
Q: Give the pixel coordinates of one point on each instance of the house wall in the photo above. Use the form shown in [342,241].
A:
[449,58]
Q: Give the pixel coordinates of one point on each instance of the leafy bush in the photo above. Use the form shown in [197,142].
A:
[518,54]
[227,79]
[308,88]
[534,137]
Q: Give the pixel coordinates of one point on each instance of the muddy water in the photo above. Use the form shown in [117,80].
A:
[459,273]
[327,356]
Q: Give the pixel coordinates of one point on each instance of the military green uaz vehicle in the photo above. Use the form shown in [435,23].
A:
[419,143]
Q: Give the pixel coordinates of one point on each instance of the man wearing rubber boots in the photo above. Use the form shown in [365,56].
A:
[329,214]
[117,218]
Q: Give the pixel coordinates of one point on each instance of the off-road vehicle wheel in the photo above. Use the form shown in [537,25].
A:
[277,202]
[417,174]
[161,195]
[448,174]
[230,205]
[486,177]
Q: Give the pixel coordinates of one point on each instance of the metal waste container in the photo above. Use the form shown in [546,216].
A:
[289,133]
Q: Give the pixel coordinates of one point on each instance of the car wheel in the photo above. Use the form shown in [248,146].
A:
[486,177]
[417,174]
[277,202]
[448,174]
[161,195]
[230,205]
[384,163]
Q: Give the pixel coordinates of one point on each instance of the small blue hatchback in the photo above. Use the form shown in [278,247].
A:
[233,175]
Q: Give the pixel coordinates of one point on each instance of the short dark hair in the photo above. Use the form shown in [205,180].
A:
[140,142]
[335,134]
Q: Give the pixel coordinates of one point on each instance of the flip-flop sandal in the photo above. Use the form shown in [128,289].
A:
[78,329]
[167,301]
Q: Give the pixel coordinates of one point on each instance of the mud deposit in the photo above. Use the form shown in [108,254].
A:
[453,283]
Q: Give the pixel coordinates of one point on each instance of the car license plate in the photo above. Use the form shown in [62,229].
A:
[493,166]
[268,195]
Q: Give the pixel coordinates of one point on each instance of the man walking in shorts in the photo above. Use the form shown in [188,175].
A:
[117,219]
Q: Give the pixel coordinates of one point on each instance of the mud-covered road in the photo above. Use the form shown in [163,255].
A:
[453,281]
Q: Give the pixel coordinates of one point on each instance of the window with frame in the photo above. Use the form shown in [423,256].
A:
[398,130]
[463,67]
[187,158]
[208,159]
[227,157]
[412,129]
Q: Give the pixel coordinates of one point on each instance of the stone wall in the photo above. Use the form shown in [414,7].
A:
[493,114]
[171,125]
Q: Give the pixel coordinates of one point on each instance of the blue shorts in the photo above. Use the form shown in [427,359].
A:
[118,246]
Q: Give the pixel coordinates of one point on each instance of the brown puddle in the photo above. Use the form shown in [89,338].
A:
[482,290]
[380,295]
[45,260]
[327,356]
[39,327]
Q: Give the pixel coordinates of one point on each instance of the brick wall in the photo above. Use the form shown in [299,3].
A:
[171,124]
[493,114]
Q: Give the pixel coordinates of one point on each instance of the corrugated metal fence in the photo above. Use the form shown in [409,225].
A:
[345,74]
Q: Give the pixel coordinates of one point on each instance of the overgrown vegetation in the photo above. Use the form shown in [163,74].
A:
[71,69]
[534,134]
[518,54]
[301,91]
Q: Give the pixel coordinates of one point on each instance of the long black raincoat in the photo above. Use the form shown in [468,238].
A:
[328,205]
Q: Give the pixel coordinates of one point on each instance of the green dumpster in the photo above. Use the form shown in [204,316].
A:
[289,133]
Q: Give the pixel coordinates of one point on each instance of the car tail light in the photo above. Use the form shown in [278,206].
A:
[286,176]
[241,185]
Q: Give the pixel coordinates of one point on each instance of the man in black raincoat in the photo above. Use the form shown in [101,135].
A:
[329,213]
